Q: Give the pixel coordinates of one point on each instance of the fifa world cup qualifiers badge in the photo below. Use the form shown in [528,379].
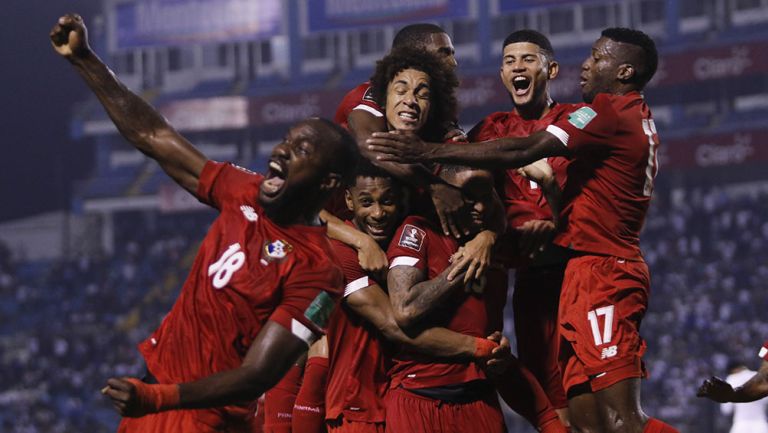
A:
[412,237]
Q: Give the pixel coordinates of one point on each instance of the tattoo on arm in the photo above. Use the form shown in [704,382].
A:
[412,297]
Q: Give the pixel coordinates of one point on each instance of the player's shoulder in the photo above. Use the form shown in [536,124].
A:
[415,232]
[618,102]
[420,222]
[227,181]
[360,97]
[499,116]
[234,171]
[490,126]
[361,92]
[562,108]
[316,254]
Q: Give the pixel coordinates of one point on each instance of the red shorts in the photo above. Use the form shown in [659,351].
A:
[192,421]
[535,302]
[408,412]
[602,303]
[278,402]
[343,425]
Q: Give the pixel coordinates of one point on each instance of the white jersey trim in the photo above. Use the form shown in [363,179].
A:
[356,285]
[559,133]
[369,109]
[403,261]
[305,334]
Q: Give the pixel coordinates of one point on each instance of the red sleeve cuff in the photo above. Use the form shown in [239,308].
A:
[763,353]
[308,325]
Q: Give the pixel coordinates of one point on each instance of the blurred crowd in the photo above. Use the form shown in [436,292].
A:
[67,326]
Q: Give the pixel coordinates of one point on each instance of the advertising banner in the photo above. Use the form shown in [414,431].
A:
[341,14]
[172,22]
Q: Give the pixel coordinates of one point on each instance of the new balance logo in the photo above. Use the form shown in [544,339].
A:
[250,213]
[609,352]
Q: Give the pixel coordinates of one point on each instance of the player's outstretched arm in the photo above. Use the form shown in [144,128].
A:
[720,391]
[136,120]
[500,153]
[270,356]
[372,304]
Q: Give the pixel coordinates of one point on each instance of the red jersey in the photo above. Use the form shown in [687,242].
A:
[359,98]
[523,199]
[357,374]
[610,179]
[421,244]
[248,270]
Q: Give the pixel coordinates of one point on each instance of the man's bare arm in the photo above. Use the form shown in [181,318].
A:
[372,304]
[412,297]
[136,120]
[721,391]
[500,153]
[270,356]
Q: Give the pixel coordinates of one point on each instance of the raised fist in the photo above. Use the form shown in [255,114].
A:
[70,37]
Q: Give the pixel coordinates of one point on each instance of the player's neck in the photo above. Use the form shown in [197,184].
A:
[535,110]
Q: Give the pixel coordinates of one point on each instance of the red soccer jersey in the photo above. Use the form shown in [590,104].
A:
[421,244]
[248,270]
[523,199]
[357,374]
[610,179]
[359,98]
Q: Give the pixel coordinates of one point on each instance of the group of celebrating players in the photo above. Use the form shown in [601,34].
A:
[390,233]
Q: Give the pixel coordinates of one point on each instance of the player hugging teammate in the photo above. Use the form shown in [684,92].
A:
[423,231]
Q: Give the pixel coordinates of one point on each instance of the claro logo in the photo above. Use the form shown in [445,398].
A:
[708,155]
[713,67]
[288,112]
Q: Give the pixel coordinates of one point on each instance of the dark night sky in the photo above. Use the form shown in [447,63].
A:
[39,160]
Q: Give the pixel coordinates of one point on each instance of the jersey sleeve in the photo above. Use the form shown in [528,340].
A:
[355,278]
[221,182]
[310,293]
[763,353]
[359,98]
[590,126]
[409,246]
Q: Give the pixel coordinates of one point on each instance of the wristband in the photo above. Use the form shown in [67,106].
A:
[484,347]
[156,398]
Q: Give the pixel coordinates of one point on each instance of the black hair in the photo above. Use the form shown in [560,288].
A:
[650,58]
[534,37]
[365,168]
[442,86]
[415,35]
